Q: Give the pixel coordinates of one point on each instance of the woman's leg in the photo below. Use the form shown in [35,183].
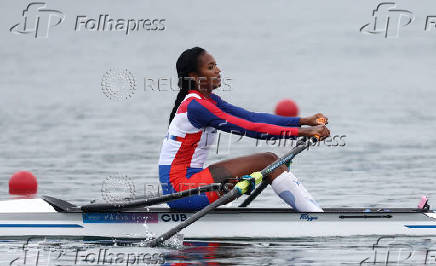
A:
[284,184]
[245,165]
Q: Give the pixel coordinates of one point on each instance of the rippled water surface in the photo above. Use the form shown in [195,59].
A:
[378,93]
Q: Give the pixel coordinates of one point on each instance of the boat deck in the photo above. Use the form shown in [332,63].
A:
[64,206]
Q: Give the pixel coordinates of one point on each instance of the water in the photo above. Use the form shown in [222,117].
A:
[377,92]
[310,251]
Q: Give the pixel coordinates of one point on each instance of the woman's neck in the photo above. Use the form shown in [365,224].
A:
[205,92]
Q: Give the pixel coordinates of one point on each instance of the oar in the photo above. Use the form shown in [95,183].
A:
[240,188]
[103,207]
[254,194]
[264,184]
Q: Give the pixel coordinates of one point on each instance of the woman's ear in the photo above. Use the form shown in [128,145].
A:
[194,77]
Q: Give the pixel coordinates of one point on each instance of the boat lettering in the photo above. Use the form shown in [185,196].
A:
[174,217]
[307,217]
[120,217]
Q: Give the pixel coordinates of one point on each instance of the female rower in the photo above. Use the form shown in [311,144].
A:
[197,115]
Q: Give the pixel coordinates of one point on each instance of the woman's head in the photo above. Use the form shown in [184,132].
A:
[196,70]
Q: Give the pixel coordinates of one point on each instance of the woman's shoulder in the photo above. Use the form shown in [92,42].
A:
[216,99]
[214,96]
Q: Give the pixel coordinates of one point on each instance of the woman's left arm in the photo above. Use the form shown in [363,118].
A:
[269,118]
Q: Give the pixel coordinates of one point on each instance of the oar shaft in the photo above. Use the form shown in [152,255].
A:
[254,194]
[104,207]
[232,195]
[283,160]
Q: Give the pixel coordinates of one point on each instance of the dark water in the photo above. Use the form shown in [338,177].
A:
[310,251]
[377,92]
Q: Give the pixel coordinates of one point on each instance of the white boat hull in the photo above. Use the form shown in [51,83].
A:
[225,223]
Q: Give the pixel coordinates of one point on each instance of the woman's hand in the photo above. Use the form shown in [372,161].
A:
[320,132]
[314,120]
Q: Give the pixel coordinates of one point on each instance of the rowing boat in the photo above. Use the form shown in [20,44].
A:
[48,216]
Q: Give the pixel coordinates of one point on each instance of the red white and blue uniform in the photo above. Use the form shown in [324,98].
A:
[193,130]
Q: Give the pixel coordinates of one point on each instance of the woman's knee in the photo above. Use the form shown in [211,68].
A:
[270,156]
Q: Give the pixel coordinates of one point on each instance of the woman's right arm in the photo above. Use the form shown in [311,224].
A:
[202,113]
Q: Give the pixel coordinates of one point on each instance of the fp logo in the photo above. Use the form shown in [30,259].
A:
[388,20]
[38,20]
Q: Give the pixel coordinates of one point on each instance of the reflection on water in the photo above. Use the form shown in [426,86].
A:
[314,251]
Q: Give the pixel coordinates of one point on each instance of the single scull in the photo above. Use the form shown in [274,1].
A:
[58,218]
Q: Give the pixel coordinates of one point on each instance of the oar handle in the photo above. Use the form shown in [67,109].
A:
[321,120]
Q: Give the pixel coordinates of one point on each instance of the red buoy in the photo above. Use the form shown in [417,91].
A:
[287,107]
[23,183]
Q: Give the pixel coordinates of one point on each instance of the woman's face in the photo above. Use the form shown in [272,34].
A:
[208,75]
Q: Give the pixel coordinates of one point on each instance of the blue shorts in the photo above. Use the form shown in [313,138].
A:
[179,178]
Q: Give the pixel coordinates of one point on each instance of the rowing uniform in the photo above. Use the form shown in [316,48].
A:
[193,130]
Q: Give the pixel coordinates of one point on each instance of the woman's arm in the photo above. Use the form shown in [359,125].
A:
[269,118]
[256,117]
[202,113]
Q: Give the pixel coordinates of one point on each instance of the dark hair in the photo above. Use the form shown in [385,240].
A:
[187,63]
